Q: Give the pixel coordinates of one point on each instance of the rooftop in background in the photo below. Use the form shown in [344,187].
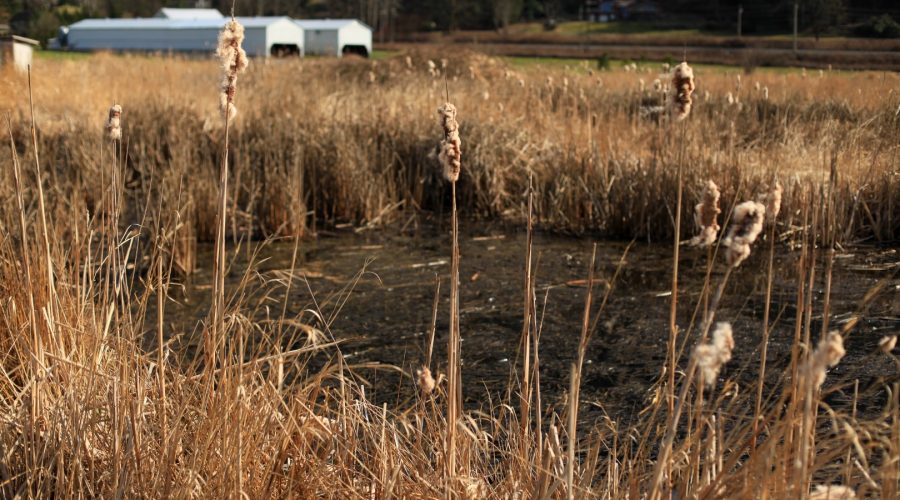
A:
[171,13]
[20,39]
[162,23]
[326,24]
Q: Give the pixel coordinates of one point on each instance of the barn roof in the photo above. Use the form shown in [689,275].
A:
[163,23]
[327,24]
[172,13]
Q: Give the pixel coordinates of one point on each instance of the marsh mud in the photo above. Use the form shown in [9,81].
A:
[375,291]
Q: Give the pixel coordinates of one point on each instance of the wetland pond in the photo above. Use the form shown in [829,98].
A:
[375,289]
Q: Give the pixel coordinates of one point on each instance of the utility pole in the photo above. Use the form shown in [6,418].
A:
[796,15]
[740,18]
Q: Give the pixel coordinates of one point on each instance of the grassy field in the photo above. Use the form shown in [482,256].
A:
[99,231]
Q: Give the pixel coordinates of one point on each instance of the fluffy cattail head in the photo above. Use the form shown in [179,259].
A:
[234,60]
[746,224]
[827,354]
[113,124]
[450,154]
[711,357]
[425,381]
[683,85]
[706,214]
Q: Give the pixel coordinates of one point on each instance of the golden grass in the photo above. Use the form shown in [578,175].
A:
[93,233]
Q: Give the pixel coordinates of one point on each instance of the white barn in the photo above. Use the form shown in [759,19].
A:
[264,36]
[336,37]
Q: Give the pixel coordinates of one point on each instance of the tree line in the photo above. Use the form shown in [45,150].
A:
[41,18]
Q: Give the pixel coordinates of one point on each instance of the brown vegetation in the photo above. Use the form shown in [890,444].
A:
[94,228]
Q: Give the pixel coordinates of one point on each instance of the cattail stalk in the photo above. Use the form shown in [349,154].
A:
[234,61]
[450,157]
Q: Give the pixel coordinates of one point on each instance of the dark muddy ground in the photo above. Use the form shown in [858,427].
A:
[387,316]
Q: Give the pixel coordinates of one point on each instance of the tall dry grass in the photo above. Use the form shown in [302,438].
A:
[94,404]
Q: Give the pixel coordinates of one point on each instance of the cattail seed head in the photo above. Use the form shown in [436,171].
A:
[711,357]
[746,224]
[450,154]
[827,355]
[683,84]
[113,124]
[424,380]
[234,61]
[706,214]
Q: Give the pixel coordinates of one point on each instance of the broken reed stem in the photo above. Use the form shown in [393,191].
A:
[525,343]
[575,389]
[663,460]
[764,348]
[51,287]
[36,348]
[161,358]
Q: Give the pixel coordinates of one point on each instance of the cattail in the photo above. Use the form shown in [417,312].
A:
[408,60]
[766,93]
[772,200]
[706,214]
[425,380]
[113,125]
[683,83]
[729,98]
[746,224]
[450,155]
[827,354]
[234,60]
[887,344]
[711,357]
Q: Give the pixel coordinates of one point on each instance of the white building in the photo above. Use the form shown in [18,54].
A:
[264,36]
[336,37]
[187,14]
[18,51]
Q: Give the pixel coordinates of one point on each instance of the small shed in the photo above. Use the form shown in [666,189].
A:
[182,14]
[264,36]
[18,51]
[336,37]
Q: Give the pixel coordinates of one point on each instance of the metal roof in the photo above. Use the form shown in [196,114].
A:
[326,24]
[172,13]
[162,23]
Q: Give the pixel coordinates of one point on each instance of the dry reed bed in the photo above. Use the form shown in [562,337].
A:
[85,411]
[353,142]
